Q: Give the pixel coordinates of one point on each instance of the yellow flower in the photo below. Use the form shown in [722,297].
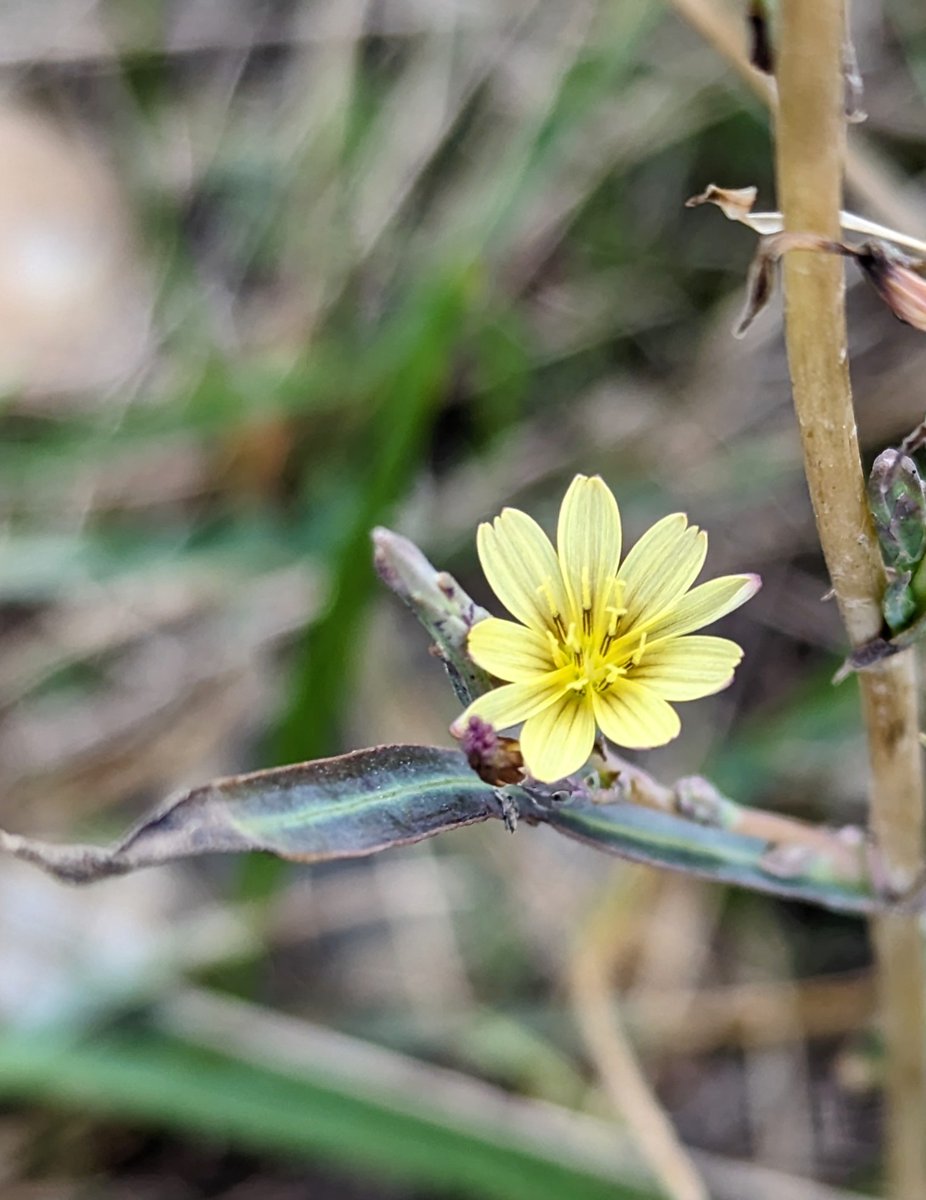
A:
[600,644]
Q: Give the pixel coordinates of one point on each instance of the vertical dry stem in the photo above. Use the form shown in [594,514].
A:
[810,147]
[591,990]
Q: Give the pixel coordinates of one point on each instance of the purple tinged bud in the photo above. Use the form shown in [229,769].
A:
[898,505]
[497,760]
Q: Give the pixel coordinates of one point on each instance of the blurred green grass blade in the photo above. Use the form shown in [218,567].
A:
[413,356]
[48,566]
[147,1078]
[537,153]
[417,364]
[406,368]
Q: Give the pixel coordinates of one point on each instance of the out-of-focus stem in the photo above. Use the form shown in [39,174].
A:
[873,180]
[728,39]
[810,147]
[591,991]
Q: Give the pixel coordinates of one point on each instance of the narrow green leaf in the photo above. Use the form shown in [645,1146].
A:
[140,1075]
[370,800]
[415,361]
[341,807]
[660,839]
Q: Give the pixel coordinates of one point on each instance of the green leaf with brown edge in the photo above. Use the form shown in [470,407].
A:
[371,800]
[633,831]
[344,807]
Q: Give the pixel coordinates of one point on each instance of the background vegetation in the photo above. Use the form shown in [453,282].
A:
[272,273]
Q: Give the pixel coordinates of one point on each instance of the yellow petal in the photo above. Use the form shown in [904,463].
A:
[559,740]
[588,540]
[510,651]
[632,715]
[515,702]
[705,604]
[522,568]
[661,567]
[688,668]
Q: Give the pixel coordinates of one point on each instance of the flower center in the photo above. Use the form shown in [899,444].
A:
[593,644]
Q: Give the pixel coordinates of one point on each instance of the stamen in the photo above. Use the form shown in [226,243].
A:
[611,674]
[586,621]
[586,590]
[571,638]
[546,590]
[556,648]
[614,618]
[638,653]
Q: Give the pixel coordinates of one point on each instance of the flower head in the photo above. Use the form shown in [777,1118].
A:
[597,643]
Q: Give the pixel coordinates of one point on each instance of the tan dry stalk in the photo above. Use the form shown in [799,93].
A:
[727,37]
[810,145]
[591,987]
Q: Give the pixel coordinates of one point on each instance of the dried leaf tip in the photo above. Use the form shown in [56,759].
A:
[894,275]
[735,203]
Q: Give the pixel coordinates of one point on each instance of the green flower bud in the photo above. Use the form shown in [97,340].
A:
[898,505]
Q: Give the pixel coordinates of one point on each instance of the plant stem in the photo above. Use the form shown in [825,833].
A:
[810,147]
[591,988]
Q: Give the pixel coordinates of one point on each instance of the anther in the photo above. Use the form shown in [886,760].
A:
[613,622]
[556,648]
[546,590]
[586,590]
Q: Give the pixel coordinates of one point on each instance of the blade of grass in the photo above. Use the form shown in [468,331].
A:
[420,341]
[590,987]
[165,1081]
[294,1089]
